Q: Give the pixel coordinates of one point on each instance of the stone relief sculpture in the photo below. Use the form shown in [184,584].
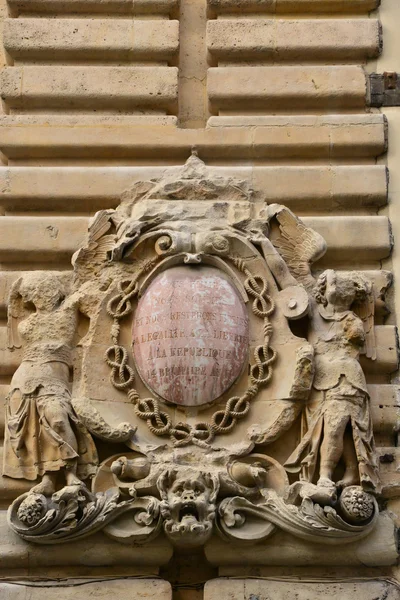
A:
[337,421]
[339,424]
[189,360]
[43,433]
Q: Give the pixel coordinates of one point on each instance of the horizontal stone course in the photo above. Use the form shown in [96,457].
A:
[266,137]
[104,39]
[295,40]
[322,188]
[93,6]
[72,87]
[289,6]
[56,238]
[294,88]
[123,589]
[96,550]
[244,589]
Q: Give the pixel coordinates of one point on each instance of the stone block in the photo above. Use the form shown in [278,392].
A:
[289,6]
[352,238]
[94,551]
[387,350]
[92,88]
[389,470]
[385,409]
[321,188]
[124,589]
[45,240]
[311,136]
[79,39]
[294,136]
[286,88]
[379,548]
[94,6]
[293,40]
[265,589]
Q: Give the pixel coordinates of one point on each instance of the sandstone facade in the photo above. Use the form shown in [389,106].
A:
[233,140]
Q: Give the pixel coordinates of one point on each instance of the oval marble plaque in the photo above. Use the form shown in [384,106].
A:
[190,335]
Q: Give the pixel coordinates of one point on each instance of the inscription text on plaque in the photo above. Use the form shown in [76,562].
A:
[190,335]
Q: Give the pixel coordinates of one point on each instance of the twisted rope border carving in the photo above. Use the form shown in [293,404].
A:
[223,421]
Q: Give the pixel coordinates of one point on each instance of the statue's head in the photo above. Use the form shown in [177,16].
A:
[43,290]
[341,290]
[188,505]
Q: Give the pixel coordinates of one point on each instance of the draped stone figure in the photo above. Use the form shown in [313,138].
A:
[337,420]
[43,433]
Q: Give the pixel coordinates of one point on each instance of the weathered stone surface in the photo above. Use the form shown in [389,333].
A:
[125,589]
[290,6]
[350,239]
[190,335]
[95,6]
[31,87]
[96,551]
[282,88]
[369,239]
[296,40]
[268,252]
[248,589]
[318,157]
[289,137]
[79,39]
[389,459]
[378,549]
[385,410]
[301,187]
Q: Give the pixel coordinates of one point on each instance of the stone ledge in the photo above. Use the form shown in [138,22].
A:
[123,589]
[31,87]
[321,188]
[104,39]
[286,88]
[377,549]
[295,40]
[289,137]
[94,551]
[352,239]
[289,6]
[94,6]
[247,589]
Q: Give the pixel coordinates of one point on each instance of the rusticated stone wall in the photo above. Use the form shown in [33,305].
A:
[98,94]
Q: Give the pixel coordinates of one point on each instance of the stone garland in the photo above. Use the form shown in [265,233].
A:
[148,409]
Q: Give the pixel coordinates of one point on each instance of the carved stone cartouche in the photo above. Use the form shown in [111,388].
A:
[197,416]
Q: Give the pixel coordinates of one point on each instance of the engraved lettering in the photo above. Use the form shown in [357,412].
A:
[190,335]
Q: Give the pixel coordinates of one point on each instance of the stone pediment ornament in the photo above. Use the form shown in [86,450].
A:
[190,287]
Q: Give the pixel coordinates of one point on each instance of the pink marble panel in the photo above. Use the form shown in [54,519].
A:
[190,335]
